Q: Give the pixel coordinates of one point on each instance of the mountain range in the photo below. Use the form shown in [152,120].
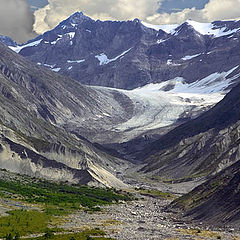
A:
[95,52]
[89,100]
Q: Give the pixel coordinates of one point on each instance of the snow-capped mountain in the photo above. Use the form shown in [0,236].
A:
[174,72]
[95,52]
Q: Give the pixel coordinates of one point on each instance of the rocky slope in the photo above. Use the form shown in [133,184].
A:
[35,104]
[95,52]
[204,148]
[216,201]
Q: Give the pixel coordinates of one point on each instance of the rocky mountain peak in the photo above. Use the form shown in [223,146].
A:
[72,22]
[76,18]
[185,30]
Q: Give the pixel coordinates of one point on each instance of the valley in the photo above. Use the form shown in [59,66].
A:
[121,130]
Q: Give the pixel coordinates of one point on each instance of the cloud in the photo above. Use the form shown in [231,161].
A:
[212,11]
[16,20]
[222,9]
[58,10]
[147,10]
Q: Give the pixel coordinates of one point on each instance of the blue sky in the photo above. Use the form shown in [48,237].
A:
[37,3]
[177,5]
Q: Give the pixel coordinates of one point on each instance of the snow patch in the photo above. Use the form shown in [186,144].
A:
[46,65]
[202,28]
[190,57]
[211,29]
[56,69]
[71,34]
[103,58]
[166,28]
[76,61]
[49,66]
[161,41]
[19,48]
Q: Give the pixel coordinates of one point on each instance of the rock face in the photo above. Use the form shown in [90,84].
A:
[96,52]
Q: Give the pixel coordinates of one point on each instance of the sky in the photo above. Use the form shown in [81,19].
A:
[24,19]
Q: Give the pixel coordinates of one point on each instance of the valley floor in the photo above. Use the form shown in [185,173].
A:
[142,220]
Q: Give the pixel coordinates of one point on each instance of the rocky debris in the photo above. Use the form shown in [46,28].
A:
[143,219]
[7,205]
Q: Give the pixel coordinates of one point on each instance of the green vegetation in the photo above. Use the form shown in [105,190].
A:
[93,234]
[53,200]
[62,196]
[200,233]
[22,222]
[156,193]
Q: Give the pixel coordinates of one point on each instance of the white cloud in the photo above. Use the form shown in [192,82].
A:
[147,10]
[16,20]
[222,9]
[212,11]
[58,10]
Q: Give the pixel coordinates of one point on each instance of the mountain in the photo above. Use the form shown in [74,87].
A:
[112,116]
[203,146]
[53,127]
[35,105]
[95,52]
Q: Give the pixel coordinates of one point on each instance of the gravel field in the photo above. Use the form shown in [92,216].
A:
[141,220]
